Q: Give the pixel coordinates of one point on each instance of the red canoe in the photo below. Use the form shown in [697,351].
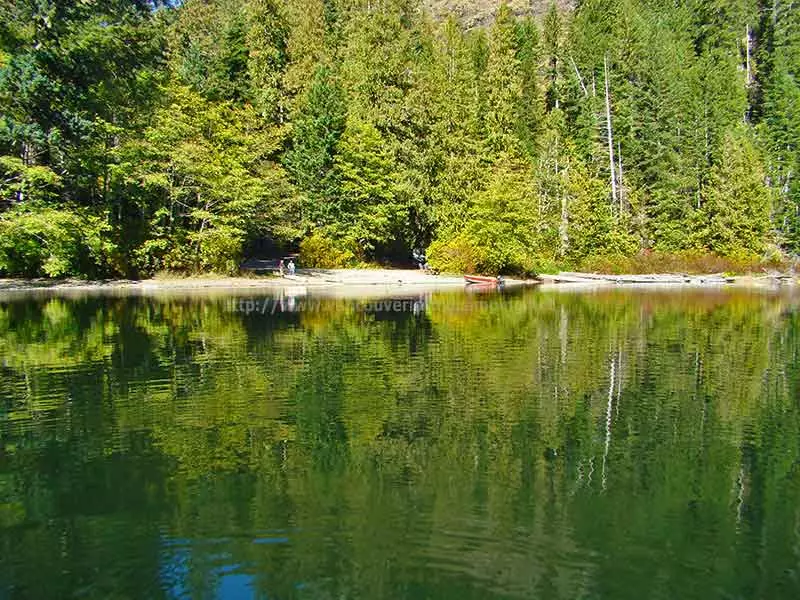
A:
[482,279]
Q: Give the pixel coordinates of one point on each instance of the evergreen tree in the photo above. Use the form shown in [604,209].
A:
[267,57]
[531,105]
[737,202]
[308,44]
[780,124]
[502,222]
[503,84]
[371,212]
[208,48]
[553,50]
[456,145]
[316,132]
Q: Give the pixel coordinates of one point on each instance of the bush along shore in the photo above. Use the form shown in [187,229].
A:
[139,137]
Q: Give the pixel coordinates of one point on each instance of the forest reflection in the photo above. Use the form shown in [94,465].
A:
[606,444]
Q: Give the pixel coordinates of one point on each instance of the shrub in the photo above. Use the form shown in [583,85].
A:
[322,252]
[220,249]
[54,242]
[608,263]
[536,264]
[464,254]
[687,261]
[454,256]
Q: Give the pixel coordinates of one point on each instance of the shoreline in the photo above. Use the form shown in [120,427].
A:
[307,278]
[392,279]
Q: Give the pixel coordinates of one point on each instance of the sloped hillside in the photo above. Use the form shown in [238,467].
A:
[475,13]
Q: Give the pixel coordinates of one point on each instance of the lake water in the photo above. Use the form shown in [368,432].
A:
[540,444]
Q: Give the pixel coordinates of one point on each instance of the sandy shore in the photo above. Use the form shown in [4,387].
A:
[314,278]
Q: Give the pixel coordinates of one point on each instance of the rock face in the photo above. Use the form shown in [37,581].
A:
[478,13]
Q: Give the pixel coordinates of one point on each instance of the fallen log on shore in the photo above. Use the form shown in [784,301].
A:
[598,278]
[566,278]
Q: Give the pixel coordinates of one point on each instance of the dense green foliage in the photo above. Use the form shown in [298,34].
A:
[166,447]
[188,131]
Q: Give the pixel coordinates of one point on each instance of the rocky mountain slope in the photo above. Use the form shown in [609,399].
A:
[475,13]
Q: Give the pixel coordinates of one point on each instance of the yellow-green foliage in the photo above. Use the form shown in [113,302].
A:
[688,261]
[466,254]
[455,255]
[53,242]
[500,232]
[220,248]
[735,215]
[321,251]
[27,182]
[205,166]
[593,226]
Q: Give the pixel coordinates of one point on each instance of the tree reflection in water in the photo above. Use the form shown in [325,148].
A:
[614,444]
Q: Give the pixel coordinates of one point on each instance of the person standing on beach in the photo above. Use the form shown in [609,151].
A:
[281,267]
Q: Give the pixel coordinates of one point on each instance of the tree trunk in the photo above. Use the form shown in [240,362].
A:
[580,79]
[748,74]
[610,133]
[619,180]
[563,226]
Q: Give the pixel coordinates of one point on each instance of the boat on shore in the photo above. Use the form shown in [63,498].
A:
[483,280]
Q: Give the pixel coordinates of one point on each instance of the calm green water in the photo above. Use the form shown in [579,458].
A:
[623,444]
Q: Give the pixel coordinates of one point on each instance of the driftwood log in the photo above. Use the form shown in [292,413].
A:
[567,277]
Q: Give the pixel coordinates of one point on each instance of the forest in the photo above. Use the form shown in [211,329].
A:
[139,136]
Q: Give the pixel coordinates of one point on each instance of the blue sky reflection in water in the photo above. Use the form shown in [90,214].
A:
[535,444]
